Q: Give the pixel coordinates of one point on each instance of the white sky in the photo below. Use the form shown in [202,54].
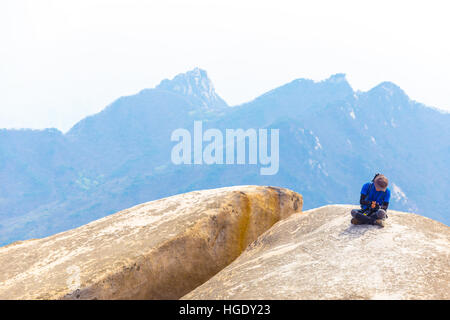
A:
[62,60]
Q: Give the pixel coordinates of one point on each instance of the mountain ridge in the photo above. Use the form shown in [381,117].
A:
[331,139]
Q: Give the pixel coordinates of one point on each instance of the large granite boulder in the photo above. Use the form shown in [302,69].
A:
[158,250]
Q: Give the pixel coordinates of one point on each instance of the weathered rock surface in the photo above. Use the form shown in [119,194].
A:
[320,255]
[158,250]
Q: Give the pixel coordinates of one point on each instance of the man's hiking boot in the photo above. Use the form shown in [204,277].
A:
[355,221]
[379,222]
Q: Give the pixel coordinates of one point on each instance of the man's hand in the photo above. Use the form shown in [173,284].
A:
[374,206]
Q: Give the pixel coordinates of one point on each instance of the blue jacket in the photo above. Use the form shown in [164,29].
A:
[371,194]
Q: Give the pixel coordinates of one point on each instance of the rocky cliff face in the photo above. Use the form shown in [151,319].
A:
[320,255]
[158,250]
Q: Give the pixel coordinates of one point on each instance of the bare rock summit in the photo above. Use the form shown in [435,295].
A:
[320,255]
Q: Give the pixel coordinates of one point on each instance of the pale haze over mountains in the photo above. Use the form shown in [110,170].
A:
[63,60]
[332,140]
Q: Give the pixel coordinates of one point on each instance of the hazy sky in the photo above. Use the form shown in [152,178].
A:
[62,60]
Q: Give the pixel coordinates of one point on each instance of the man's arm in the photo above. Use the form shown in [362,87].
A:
[364,192]
[387,197]
[363,201]
[384,206]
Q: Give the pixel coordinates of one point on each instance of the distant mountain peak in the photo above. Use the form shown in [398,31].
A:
[338,80]
[196,84]
[338,83]
[388,86]
[389,89]
[338,77]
